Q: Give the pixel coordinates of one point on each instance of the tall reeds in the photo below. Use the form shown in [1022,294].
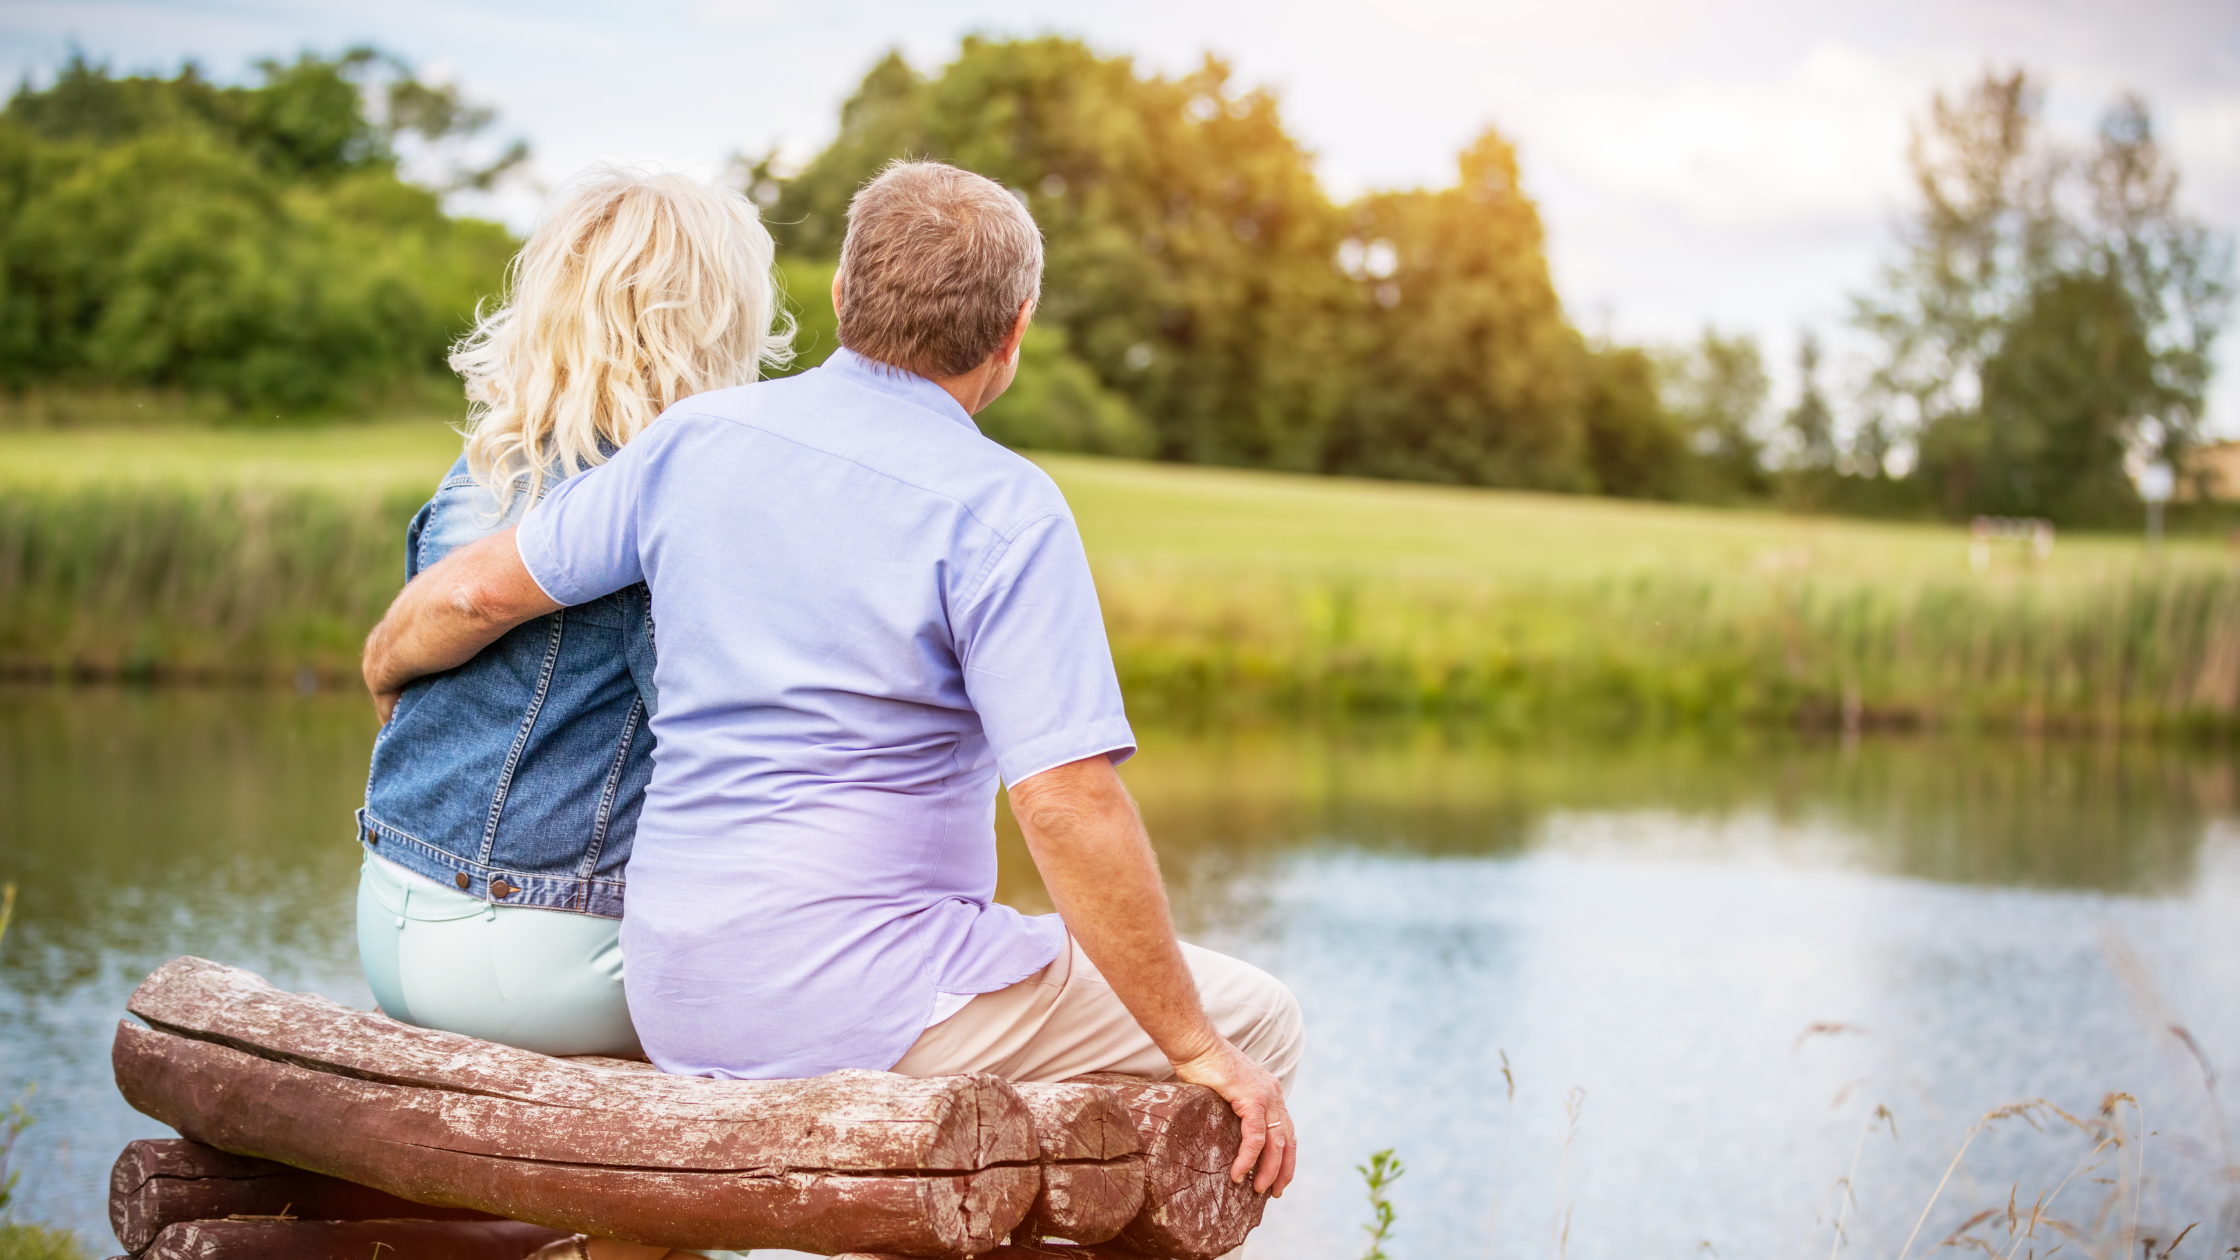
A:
[159,581]
[2157,649]
[240,580]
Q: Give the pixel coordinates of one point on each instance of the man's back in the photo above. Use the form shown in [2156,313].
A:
[865,611]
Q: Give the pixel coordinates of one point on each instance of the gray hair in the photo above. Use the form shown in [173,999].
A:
[935,267]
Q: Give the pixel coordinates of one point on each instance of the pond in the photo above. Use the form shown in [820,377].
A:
[1667,998]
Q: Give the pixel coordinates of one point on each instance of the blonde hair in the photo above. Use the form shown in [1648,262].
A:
[635,290]
[935,265]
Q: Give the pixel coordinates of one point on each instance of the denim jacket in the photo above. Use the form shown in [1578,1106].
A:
[518,777]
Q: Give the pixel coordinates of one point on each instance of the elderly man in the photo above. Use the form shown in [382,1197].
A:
[866,613]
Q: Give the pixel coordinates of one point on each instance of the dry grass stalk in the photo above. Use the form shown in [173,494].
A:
[1574,1104]
[2029,1111]
[1848,1199]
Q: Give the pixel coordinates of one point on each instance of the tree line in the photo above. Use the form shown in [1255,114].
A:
[256,243]
[2049,313]
[1199,273]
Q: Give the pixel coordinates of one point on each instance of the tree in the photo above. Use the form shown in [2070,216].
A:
[312,117]
[1188,244]
[1468,369]
[1633,447]
[285,261]
[1716,391]
[2055,424]
[2174,273]
[2052,312]
[1985,226]
[1810,424]
[1198,270]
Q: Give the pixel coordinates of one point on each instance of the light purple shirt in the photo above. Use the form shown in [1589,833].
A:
[865,612]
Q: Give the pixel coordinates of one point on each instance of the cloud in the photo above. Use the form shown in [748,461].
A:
[1823,143]
[2204,140]
[745,12]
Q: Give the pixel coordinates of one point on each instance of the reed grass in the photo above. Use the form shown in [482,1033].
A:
[2155,650]
[161,581]
[229,554]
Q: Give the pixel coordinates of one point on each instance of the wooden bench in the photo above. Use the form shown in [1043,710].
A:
[339,1128]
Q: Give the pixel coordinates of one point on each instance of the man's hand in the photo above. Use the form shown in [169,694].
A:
[455,609]
[1252,1092]
[1097,862]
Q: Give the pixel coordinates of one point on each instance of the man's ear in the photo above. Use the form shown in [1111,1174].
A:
[1009,350]
[836,294]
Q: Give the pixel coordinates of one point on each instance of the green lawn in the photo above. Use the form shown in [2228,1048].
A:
[1141,512]
[1163,514]
[397,455]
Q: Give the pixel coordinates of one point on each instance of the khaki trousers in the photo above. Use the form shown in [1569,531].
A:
[1065,1020]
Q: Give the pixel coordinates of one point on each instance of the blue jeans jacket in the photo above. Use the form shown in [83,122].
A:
[518,777]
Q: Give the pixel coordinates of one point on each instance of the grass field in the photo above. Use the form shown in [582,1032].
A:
[184,552]
[374,459]
[1151,514]
[1141,513]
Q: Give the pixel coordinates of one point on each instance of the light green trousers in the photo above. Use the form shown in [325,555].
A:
[542,980]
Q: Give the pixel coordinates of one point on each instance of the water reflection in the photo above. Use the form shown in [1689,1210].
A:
[141,823]
[1655,924]
[2108,818]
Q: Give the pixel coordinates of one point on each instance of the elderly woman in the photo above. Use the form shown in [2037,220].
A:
[505,793]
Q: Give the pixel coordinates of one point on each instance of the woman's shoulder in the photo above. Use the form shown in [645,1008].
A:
[463,511]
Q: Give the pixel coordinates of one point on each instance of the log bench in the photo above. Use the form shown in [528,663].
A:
[313,1129]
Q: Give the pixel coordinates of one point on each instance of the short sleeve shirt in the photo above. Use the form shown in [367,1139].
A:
[866,613]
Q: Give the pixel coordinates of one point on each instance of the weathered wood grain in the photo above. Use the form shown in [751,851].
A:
[159,1183]
[1092,1174]
[1078,1120]
[847,1121]
[1191,1210]
[347,1240]
[1088,1203]
[528,1162]
[1029,1251]
[941,1167]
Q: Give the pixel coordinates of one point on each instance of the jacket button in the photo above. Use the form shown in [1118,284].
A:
[461,879]
[501,889]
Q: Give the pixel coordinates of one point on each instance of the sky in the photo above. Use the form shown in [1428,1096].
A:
[1734,163]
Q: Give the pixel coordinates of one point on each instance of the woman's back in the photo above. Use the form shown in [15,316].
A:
[504,794]
[520,774]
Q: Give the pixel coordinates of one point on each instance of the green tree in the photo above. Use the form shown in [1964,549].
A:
[1985,225]
[1717,391]
[1058,404]
[1188,244]
[2053,429]
[285,261]
[1633,447]
[1810,424]
[1468,369]
[1055,404]
[1198,271]
[1811,460]
[2053,311]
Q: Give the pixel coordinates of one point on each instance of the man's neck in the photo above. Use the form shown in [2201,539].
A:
[972,389]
